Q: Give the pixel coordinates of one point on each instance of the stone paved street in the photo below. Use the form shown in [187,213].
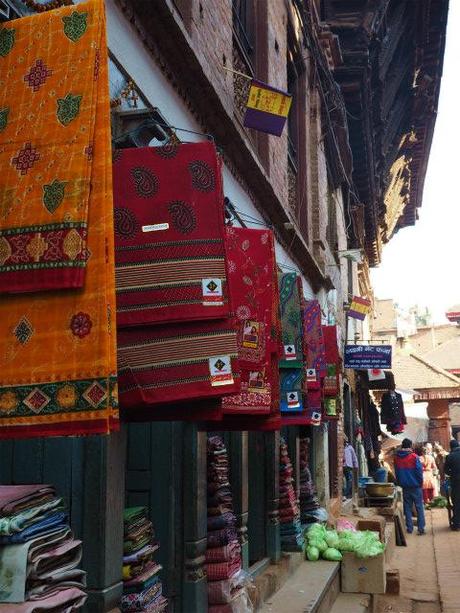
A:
[430,571]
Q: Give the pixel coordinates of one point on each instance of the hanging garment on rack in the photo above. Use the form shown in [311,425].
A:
[57,348]
[392,411]
[169,234]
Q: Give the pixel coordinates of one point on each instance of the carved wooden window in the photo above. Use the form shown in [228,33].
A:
[296,134]
[244,17]
[244,50]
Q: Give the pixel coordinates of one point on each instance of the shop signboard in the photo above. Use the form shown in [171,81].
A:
[367,357]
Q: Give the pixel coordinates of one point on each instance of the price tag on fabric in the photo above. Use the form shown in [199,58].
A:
[293,400]
[212,292]
[290,352]
[311,374]
[220,368]
[251,334]
[257,381]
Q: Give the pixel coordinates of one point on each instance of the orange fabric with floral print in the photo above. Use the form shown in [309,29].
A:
[49,64]
[57,347]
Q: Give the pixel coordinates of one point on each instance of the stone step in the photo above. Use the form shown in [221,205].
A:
[313,588]
[352,603]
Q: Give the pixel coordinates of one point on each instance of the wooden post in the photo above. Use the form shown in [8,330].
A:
[238,454]
[195,594]
[272,457]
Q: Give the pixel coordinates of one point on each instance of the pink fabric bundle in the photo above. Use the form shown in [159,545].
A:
[227,553]
[223,570]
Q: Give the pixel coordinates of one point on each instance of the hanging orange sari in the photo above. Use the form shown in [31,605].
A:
[57,309]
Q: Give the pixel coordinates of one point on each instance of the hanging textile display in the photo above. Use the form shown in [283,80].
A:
[314,349]
[177,362]
[57,348]
[331,380]
[291,361]
[251,262]
[291,321]
[169,234]
[51,118]
[39,556]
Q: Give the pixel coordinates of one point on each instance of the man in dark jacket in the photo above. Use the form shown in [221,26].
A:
[409,475]
[452,468]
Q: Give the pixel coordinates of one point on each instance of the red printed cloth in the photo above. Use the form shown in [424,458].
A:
[251,265]
[177,362]
[169,234]
[218,571]
[331,381]
[314,349]
[227,553]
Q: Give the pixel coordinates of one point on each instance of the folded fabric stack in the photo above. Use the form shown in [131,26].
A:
[308,499]
[291,533]
[223,555]
[142,588]
[38,553]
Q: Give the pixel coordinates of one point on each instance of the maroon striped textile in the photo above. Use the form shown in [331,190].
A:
[169,231]
[177,362]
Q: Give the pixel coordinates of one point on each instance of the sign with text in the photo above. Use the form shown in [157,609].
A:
[367,357]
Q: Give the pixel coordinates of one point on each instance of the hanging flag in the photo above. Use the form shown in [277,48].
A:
[376,374]
[267,108]
[359,308]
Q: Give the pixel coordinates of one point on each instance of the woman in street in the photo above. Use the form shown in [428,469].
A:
[429,472]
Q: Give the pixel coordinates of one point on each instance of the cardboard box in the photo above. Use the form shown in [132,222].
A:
[376,524]
[366,576]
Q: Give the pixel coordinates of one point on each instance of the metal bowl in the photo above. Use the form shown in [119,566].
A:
[379,490]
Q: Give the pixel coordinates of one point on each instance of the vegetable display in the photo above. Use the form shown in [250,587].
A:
[330,544]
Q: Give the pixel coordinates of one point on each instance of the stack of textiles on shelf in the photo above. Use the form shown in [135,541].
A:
[38,553]
[307,499]
[142,588]
[223,554]
[291,532]
[177,337]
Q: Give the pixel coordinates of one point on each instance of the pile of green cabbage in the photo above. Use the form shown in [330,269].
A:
[329,544]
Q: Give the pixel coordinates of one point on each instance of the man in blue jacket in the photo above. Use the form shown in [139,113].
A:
[409,475]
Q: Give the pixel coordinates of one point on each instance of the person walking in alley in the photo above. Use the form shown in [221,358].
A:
[429,473]
[350,463]
[409,475]
[452,469]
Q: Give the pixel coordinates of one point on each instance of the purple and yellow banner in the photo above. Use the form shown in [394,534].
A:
[359,308]
[267,108]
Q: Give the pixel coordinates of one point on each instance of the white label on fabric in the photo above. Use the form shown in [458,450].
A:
[220,368]
[155,227]
[212,292]
[289,352]
[293,400]
[311,374]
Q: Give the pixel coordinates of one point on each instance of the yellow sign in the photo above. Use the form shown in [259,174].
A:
[269,101]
